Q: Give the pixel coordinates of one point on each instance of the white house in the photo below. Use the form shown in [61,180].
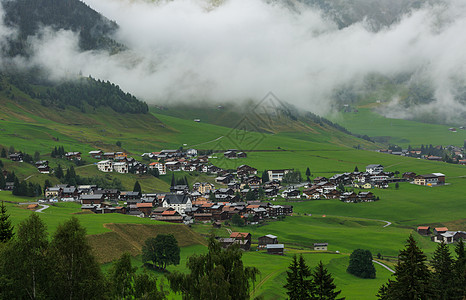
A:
[159,166]
[374,168]
[105,165]
[191,152]
[178,202]
[120,167]
[277,174]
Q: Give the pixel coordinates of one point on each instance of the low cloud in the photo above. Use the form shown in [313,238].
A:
[190,50]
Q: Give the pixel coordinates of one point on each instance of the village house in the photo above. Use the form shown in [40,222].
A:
[423,230]
[73,155]
[430,179]
[277,249]
[53,192]
[241,238]
[120,167]
[145,208]
[277,174]
[159,166]
[320,246]
[265,240]
[230,154]
[374,168]
[105,166]
[93,200]
[16,157]
[96,154]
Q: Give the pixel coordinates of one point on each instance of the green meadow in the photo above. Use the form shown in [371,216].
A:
[398,131]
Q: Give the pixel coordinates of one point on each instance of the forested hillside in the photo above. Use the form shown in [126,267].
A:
[81,93]
[28,16]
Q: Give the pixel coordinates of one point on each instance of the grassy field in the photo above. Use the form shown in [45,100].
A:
[398,131]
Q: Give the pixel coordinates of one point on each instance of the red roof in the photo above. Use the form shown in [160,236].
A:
[441,229]
[239,234]
[143,205]
[169,213]
[253,206]
[423,227]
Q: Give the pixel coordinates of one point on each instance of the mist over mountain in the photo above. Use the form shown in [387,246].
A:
[312,53]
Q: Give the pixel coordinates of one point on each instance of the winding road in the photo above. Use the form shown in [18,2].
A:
[386,267]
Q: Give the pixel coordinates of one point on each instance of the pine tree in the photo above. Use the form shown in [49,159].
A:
[59,172]
[2,180]
[172,184]
[308,172]
[459,271]
[265,176]
[324,286]
[3,153]
[6,229]
[356,169]
[442,281]
[412,277]
[137,187]
[298,285]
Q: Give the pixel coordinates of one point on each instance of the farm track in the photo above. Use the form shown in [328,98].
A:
[262,282]
[385,266]
[387,223]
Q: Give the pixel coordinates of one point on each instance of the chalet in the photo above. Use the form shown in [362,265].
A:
[177,202]
[241,155]
[374,168]
[41,163]
[277,174]
[245,170]
[320,246]
[73,155]
[440,230]
[223,179]
[97,154]
[244,239]
[366,196]
[203,217]
[275,210]
[70,192]
[191,152]
[291,194]
[108,194]
[120,154]
[95,200]
[108,155]
[288,210]
[121,167]
[9,186]
[349,197]
[423,230]
[363,185]
[275,249]
[145,208]
[173,166]
[171,216]
[267,239]
[409,176]
[43,169]
[53,192]
[325,187]
[320,179]
[333,194]
[230,154]
[105,166]
[128,195]
[16,157]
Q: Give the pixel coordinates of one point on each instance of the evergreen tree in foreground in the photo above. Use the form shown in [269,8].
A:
[459,272]
[412,277]
[6,229]
[442,279]
[325,288]
[297,284]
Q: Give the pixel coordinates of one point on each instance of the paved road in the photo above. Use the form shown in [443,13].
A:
[44,207]
[386,267]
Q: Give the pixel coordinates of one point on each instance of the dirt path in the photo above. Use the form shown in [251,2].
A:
[385,266]
[214,140]
[387,223]
[44,207]
[262,282]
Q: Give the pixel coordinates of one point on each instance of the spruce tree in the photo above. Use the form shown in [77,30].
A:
[411,277]
[137,187]
[459,271]
[297,283]
[442,281]
[172,184]
[3,153]
[6,229]
[59,172]
[265,176]
[2,180]
[356,169]
[308,172]
[324,286]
